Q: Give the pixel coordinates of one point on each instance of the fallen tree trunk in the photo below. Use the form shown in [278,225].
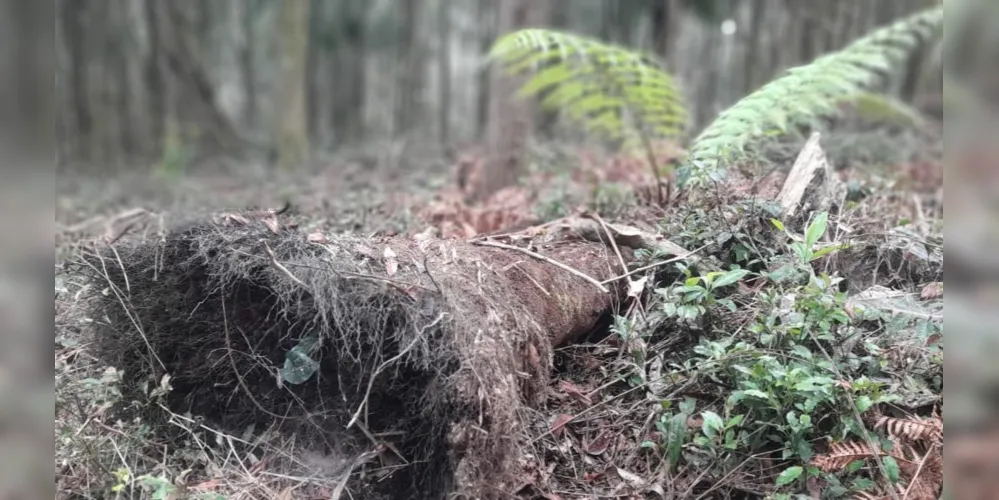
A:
[442,340]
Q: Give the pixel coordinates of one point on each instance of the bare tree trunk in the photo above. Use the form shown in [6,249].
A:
[753,63]
[487,22]
[444,73]
[73,12]
[409,92]
[247,66]
[293,127]
[510,118]
[153,74]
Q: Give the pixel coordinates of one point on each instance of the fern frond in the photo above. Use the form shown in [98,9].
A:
[912,429]
[804,93]
[594,83]
[841,455]
[882,108]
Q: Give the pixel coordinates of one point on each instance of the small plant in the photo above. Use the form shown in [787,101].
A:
[697,293]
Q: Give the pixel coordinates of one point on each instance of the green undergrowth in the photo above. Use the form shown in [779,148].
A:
[777,359]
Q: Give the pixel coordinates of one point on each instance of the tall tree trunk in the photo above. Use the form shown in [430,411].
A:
[510,120]
[444,73]
[487,22]
[409,92]
[753,62]
[293,127]
[246,65]
[73,13]
[153,75]
[666,25]
[195,89]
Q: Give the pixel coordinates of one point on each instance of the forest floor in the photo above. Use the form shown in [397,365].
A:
[708,385]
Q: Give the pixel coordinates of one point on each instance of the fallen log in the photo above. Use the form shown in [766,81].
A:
[343,339]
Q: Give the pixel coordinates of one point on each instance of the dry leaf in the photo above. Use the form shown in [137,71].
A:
[272,224]
[636,287]
[631,477]
[317,237]
[599,444]
[574,391]
[391,265]
[286,493]
[560,423]
[932,291]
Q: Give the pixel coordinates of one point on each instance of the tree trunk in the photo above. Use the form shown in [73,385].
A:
[292,135]
[246,64]
[153,74]
[753,62]
[409,92]
[444,73]
[73,11]
[510,118]
[666,26]
[487,21]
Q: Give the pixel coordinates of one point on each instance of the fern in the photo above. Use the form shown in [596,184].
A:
[594,82]
[804,93]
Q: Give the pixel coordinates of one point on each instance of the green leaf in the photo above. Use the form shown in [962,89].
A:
[713,424]
[789,475]
[816,229]
[805,93]
[855,465]
[298,363]
[730,277]
[677,434]
[826,250]
[891,468]
[864,403]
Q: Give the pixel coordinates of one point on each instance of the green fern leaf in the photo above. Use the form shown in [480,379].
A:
[805,93]
[608,89]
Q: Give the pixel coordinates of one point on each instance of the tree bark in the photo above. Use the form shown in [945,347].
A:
[487,21]
[444,73]
[510,118]
[73,12]
[153,75]
[292,134]
[409,90]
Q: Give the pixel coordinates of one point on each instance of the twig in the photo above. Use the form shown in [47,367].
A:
[610,236]
[538,256]
[657,264]
[915,476]
[371,381]
[235,370]
[517,265]
[281,267]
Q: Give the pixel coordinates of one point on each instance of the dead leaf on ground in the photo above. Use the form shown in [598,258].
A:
[560,422]
[636,287]
[932,291]
[599,444]
[272,224]
[391,265]
[576,392]
[317,237]
[631,478]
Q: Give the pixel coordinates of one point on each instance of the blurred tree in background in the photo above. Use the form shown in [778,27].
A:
[159,82]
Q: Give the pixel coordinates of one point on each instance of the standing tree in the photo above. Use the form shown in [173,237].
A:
[293,127]
[510,120]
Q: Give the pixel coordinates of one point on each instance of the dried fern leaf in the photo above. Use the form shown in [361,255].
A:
[842,454]
[599,85]
[929,430]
